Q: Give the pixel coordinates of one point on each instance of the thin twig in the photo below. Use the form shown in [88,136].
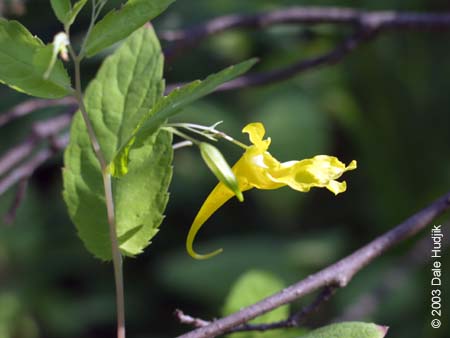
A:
[329,58]
[293,321]
[29,106]
[25,170]
[366,25]
[40,131]
[181,144]
[187,38]
[189,320]
[394,279]
[338,274]
[363,22]
[10,216]
[258,79]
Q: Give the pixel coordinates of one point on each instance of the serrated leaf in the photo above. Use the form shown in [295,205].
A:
[250,288]
[126,87]
[118,24]
[170,105]
[349,330]
[61,8]
[24,60]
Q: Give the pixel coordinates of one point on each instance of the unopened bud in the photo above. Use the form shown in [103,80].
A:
[220,168]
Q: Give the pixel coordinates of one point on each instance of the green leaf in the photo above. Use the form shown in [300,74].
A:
[126,87]
[349,330]
[61,8]
[65,12]
[23,61]
[220,168]
[72,15]
[250,288]
[118,24]
[169,106]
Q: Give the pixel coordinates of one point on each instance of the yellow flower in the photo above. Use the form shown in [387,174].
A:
[257,168]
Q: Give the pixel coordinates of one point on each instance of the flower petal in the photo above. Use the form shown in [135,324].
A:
[256,133]
[213,202]
[319,171]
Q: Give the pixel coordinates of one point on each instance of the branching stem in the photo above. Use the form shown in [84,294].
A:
[209,132]
[107,184]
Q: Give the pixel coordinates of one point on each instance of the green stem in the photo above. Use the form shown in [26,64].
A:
[208,132]
[182,135]
[116,255]
[96,9]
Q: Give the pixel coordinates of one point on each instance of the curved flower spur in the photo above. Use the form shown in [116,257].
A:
[257,168]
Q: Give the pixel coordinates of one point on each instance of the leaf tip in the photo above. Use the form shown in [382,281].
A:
[383,330]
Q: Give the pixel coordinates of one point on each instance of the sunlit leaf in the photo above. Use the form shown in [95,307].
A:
[64,11]
[118,24]
[250,288]
[61,8]
[74,11]
[24,60]
[125,88]
[349,330]
[170,105]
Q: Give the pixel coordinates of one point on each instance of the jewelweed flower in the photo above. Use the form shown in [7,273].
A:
[257,168]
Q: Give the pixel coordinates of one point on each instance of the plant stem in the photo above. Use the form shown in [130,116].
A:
[208,132]
[107,184]
[116,255]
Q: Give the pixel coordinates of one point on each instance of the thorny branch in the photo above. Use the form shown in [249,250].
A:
[338,274]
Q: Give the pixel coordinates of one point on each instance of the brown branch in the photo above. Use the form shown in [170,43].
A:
[330,58]
[29,106]
[394,279]
[21,169]
[366,25]
[293,321]
[10,216]
[40,131]
[371,20]
[25,170]
[338,274]
[189,320]
[263,78]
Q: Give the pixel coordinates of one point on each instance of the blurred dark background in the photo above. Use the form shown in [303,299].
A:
[386,105]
